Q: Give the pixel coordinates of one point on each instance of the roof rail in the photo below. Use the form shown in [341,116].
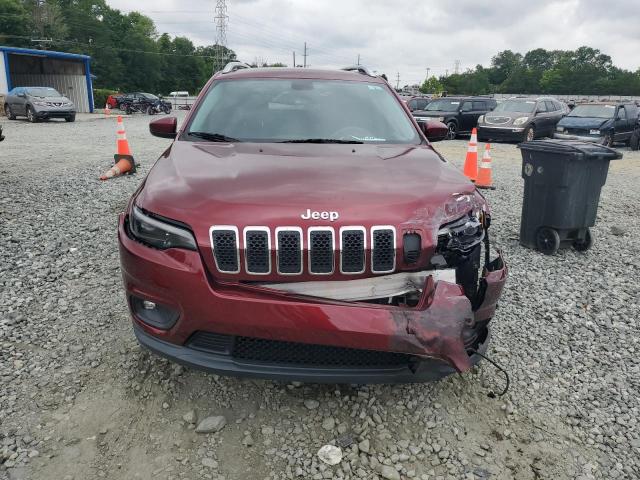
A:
[357,68]
[233,66]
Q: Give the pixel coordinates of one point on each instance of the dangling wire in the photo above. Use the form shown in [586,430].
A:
[506,375]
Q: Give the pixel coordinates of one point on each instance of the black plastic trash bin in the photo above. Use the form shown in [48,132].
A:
[562,183]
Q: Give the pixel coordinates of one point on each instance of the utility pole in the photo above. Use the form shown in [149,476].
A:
[428,70]
[221,19]
[398,81]
[305,54]
[358,59]
[294,59]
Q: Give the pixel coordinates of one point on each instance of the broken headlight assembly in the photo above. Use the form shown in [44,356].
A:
[461,235]
[157,233]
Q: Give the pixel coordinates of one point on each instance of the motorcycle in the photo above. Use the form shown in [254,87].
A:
[158,106]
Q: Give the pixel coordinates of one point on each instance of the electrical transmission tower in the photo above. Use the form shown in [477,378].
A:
[221,18]
[457,67]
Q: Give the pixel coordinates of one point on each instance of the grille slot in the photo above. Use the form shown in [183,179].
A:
[383,249]
[257,250]
[302,354]
[289,250]
[211,342]
[321,248]
[224,241]
[352,248]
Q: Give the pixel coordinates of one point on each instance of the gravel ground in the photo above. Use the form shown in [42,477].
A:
[80,400]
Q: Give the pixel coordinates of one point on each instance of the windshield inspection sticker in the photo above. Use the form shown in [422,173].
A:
[368,139]
[374,87]
[455,103]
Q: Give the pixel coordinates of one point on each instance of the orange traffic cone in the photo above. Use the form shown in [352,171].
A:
[484,174]
[471,162]
[124,162]
[107,110]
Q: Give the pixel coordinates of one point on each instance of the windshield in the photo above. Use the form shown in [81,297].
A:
[518,106]
[43,92]
[593,111]
[443,106]
[149,96]
[277,110]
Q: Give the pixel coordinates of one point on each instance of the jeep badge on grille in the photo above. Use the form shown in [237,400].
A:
[308,215]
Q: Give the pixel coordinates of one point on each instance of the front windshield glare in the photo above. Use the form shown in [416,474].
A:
[443,106]
[279,110]
[593,111]
[43,92]
[516,106]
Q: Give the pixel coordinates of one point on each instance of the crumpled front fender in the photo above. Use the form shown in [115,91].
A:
[436,329]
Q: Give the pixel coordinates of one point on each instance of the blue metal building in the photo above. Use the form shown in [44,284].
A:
[69,73]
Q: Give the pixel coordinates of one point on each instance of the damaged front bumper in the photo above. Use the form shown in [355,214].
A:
[440,334]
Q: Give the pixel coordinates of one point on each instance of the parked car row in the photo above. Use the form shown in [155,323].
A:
[527,118]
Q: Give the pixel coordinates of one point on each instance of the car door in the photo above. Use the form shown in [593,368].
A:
[468,118]
[21,102]
[622,131]
[555,114]
[542,119]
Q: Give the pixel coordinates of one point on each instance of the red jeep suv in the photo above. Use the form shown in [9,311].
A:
[301,227]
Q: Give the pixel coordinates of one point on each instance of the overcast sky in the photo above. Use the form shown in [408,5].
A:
[403,37]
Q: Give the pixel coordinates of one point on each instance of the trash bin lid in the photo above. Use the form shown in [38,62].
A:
[575,148]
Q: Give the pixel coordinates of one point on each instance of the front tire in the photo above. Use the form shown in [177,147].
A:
[452,130]
[31,115]
[151,110]
[529,134]
[71,118]
[547,240]
[9,113]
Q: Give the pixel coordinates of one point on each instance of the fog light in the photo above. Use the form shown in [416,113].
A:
[154,314]
[148,305]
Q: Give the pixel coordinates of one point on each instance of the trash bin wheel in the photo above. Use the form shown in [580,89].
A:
[583,245]
[547,240]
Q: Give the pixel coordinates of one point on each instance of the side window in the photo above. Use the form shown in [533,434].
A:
[413,104]
[422,104]
[466,107]
[481,106]
[622,113]
[551,106]
[542,108]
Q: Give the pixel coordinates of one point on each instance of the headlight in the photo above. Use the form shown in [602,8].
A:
[520,120]
[40,104]
[481,119]
[67,104]
[559,129]
[159,234]
[462,234]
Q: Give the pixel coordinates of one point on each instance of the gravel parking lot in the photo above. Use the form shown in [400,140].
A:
[80,400]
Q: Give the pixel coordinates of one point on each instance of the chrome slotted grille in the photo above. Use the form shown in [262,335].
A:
[352,247]
[297,251]
[289,250]
[321,247]
[224,241]
[383,245]
[257,246]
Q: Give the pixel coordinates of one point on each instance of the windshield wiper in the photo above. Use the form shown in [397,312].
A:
[321,140]
[213,137]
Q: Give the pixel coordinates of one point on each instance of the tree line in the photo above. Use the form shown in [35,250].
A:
[128,53]
[584,71]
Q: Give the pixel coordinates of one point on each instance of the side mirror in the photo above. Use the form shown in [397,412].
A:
[165,127]
[434,131]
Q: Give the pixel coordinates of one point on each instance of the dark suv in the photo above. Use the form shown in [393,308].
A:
[460,114]
[522,119]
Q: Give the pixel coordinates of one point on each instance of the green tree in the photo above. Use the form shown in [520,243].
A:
[502,65]
[15,23]
[431,85]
